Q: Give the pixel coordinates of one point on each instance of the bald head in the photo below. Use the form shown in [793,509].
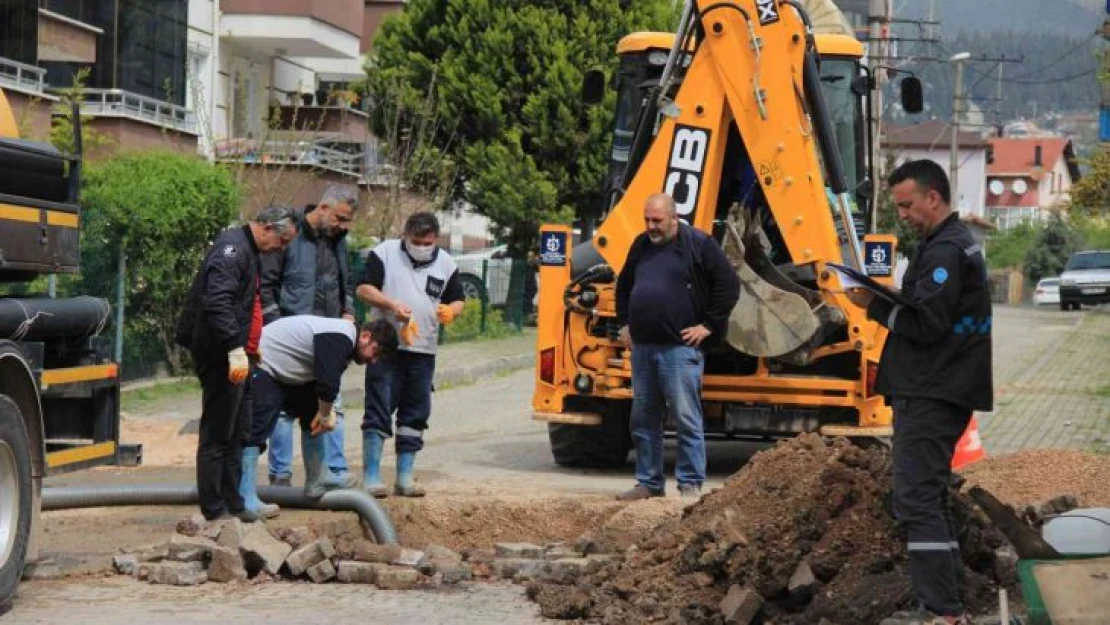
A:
[660,218]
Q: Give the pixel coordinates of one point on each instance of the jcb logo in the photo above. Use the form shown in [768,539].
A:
[768,12]
[685,168]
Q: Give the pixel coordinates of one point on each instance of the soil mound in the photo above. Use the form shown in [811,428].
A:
[805,525]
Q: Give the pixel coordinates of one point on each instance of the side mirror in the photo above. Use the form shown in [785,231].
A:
[913,101]
[593,86]
[862,84]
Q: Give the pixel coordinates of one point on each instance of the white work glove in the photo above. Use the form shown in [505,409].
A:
[238,367]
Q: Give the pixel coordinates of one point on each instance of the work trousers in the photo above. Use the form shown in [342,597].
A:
[667,378]
[223,424]
[404,385]
[271,399]
[925,435]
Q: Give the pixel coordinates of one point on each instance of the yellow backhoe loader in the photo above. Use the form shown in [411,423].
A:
[758,128]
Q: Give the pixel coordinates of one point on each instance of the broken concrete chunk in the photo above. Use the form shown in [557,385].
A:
[441,553]
[126,564]
[350,572]
[226,565]
[193,525]
[802,585]
[177,573]
[740,605]
[397,578]
[185,548]
[261,551]
[518,550]
[367,551]
[321,571]
[231,535]
[561,552]
[304,558]
[408,557]
[299,537]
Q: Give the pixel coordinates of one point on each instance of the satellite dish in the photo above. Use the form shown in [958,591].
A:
[996,187]
[1020,187]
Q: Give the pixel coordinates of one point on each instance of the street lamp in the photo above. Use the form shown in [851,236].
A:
[957,96]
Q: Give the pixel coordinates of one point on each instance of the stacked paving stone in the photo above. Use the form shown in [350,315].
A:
[232,551]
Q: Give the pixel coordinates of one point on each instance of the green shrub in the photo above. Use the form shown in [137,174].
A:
[468,325]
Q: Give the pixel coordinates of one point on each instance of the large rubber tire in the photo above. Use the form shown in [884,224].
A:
[15,498]
[604,446]
[472,286]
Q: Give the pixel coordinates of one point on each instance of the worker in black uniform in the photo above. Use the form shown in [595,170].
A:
[221,326]
[934,371]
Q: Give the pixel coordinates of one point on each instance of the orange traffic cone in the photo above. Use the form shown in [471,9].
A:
[970,447]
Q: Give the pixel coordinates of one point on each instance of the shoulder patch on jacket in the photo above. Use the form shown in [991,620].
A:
[940,275]
[229,251]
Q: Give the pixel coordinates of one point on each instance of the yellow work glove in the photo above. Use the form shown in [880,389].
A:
[238,367]
[445,314]
[322,424]
[409,332]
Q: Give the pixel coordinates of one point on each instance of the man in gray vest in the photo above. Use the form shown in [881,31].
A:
[414,285]
[312,277]
[303,358]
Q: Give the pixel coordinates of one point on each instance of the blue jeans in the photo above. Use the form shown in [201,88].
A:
[405,386]
[667,377]
[281,444]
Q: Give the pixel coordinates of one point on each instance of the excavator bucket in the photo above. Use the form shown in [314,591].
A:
[774,316]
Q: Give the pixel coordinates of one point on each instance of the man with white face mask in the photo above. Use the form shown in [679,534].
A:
[415,285]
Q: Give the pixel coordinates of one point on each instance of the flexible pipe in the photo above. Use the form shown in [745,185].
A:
[348,500]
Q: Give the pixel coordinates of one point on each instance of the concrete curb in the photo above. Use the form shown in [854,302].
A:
[459,376]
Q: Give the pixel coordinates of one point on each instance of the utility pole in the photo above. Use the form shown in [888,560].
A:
[878,18]
[954,157]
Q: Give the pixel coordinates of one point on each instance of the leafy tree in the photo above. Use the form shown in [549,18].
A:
[62,121]
[887,220]
[508,74]
[1051,248]
[1090,195]
[162,210]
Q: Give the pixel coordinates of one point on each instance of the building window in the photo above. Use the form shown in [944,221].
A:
[152,41]
[19,31]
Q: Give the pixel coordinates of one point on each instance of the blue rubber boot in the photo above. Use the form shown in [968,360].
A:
[318,479]
[248,489]
[372,444]
[405,485]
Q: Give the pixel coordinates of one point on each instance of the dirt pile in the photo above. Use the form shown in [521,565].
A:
[803,525]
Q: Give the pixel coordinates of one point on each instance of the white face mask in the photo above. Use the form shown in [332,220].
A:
[420,253]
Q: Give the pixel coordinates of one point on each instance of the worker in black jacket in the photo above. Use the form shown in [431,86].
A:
[221,326]
[934,371]
[674,293]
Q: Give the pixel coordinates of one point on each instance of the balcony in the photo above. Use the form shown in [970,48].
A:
[127,105]
[322,152]
[21,77]
[295,28]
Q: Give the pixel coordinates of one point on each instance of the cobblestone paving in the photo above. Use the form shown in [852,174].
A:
[1052,381]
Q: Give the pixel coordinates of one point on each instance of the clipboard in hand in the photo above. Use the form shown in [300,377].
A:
[851,278]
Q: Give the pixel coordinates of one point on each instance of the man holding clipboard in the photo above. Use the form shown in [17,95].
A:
[934,371]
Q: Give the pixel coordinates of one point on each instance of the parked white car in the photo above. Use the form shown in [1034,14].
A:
[498,272]
[1047,292]
[1085,280]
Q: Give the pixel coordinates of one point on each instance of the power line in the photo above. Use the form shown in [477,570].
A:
[1051,81]
[1063,56]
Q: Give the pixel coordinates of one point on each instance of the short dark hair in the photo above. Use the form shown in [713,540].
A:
[277,216]
[928,175]
[384,334]
[421,224]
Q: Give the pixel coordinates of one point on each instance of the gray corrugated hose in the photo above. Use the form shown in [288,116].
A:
[357,501]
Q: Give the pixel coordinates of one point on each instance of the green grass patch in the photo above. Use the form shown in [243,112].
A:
[139,398]
[1103,392]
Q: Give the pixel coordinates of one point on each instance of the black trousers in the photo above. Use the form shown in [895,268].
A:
[925,435]
[270,398]
[223,426]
